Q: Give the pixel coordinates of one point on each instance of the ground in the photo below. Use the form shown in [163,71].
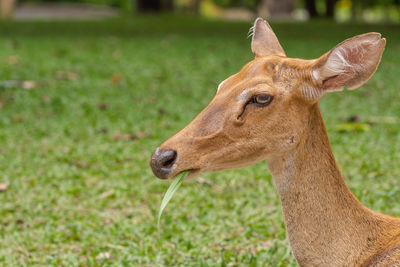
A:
[75,142]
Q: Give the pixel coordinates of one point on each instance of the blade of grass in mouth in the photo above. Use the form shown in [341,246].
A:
[170,192]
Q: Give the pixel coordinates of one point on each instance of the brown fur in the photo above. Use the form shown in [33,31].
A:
[326,225]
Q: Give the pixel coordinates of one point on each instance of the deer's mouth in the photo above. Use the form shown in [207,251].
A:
[193,173]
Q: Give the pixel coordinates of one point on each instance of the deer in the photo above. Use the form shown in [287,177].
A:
[270,111]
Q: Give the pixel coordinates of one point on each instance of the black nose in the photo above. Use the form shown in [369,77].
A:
[162,161]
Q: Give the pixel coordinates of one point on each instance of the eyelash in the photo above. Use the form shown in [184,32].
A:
[253,101]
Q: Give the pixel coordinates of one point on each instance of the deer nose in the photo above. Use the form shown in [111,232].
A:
[162,161]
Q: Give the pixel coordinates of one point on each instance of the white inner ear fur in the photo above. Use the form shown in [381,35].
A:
[337,62]
[348,65]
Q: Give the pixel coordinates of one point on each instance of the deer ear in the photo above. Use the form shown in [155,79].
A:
[264,41]
[349,64]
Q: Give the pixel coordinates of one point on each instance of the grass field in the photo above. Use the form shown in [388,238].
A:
[75,148]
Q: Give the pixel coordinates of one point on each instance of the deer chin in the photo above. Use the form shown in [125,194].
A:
[193,173]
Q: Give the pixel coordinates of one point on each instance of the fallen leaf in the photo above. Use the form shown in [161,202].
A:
[17,118]
[119,136]
[352,127]
[161,111]
[46,98]
[19,249]
[102,106]
[75,249]
[27,85]
[107,221]
[115,246]
[80,164]
[4,186]
[12,60]
[116,78]
[262,246]
[12,44]
[267,244]
[141,135]
[124,160]
[103,255]
[104,130]
[72,76]
[201,180]
[354,118]
[106,194]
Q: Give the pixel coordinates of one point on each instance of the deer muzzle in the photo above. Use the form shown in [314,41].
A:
[162,162]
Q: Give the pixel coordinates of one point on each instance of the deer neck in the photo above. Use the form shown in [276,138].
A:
[325,223]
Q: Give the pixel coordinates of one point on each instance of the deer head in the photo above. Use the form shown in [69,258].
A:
[263,110]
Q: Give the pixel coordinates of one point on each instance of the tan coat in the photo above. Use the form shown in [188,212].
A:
[269,111]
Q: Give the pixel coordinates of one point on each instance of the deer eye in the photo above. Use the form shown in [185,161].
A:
[262,100]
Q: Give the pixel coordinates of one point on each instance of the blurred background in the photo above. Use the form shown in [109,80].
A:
[339,10]
[88,89]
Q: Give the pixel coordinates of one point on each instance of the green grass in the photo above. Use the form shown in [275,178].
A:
[173,187]
[80,194]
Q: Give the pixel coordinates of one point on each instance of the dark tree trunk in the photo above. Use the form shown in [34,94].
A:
[354,10]
[330,8]
[311,8]
[167,5]
[196,6]
[144,6]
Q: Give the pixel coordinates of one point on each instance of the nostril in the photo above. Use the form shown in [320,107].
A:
[168,158]
[168,163]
